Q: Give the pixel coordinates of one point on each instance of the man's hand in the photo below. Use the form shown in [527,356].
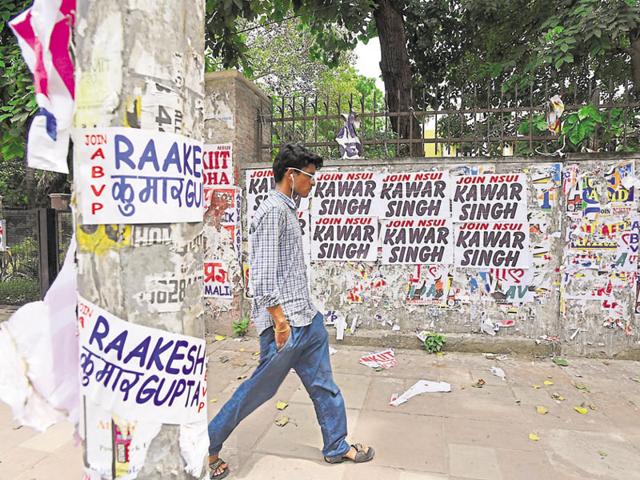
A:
[281,333]
[281,327]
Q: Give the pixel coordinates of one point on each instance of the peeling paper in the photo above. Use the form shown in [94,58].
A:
[194,445]
[131,440]
[39,355]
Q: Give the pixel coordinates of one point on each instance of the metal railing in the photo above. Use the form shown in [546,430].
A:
[493,122]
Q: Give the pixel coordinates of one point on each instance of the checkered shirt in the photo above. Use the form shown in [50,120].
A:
[278,274]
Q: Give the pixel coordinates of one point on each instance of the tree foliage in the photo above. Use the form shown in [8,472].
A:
[335,26]
[280,58]
[465,44]
[17,104]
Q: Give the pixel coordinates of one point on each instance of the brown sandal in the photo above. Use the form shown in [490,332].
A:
[361,455]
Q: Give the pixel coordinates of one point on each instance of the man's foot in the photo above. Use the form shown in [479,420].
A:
[218,469]
[358,453]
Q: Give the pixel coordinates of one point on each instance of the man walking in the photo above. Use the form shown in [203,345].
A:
[292,332]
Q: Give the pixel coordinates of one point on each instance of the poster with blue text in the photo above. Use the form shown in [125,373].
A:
[141,372]
[127,175]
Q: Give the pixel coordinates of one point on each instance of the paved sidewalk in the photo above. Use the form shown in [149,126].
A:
[6,311]
[470,433]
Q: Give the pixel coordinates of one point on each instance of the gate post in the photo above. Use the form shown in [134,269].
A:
[48,248]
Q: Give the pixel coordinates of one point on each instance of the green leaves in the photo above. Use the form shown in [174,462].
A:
[240,327]
[434,342]
[582,125]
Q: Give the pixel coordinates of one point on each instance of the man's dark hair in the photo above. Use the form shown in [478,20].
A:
[294,156]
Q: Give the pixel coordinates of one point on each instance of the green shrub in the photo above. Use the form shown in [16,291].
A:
[434,342]
[240,328]
[18,291]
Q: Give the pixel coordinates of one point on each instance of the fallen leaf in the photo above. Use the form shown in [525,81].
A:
[581,410]
[557,396]
[602,453]
[561,362]
[219,338]
[636,379]
[242,349]
[582,387]
[281,420]
[281,405]
[224,359]
[213,400]
[440,354]
[535,387]
[548,382]
[241,377]
[542,410]
[534,437]
[479,384]
[255,354]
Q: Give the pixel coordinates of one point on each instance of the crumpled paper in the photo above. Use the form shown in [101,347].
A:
[39,355]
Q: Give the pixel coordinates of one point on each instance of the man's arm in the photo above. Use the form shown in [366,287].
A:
[265,250]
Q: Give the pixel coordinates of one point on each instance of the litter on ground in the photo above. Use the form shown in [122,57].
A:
[420,387]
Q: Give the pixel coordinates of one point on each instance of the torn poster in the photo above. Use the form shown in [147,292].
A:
[546,180]
[115,447]
[417,241]
[347,138]
[616,190]
[44,33]
[141,372]
[583,197]
[126,176]
[217,283]
[420,387]
[490,198]
[384,359]
[344,238]
[39,355]
[352,194]
[217,165]
[429,285]
[416,195]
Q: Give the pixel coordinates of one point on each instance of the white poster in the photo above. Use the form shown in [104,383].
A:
[490,198]
[417,241]
[217,164]
[258,184]
[489,245]
[353,194]
[127,175]
[140,372]
[416,195]
[339,238]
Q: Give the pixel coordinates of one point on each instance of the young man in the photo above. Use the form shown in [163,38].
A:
[292,333]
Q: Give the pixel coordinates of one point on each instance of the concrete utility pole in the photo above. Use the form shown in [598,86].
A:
[140,64]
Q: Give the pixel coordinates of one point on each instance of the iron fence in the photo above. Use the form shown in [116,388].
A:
[492,121]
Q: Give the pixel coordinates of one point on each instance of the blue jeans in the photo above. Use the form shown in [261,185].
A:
[307,352]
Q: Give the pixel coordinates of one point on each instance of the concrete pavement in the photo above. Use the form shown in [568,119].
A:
[470,433]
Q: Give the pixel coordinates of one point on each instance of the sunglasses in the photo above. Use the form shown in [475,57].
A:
[310,175]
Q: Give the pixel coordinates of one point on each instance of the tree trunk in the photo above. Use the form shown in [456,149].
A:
[149,54]
[635,64]
[396,74]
